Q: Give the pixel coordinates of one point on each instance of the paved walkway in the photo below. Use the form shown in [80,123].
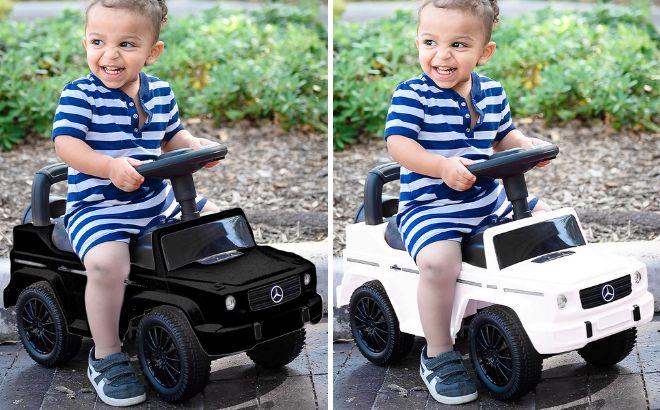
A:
[567,381]
[235,382]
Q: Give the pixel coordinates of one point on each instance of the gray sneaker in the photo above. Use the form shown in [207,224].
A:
[114,380]
[446,378]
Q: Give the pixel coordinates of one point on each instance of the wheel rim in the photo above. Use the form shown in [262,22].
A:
[494,355]
[39,327]
[162,357]
[371,325]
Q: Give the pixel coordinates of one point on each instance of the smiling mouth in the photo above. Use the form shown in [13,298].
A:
[444,70]
[112,70]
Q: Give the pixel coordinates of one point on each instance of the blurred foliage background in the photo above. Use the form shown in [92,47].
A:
[600,65]
[228,65]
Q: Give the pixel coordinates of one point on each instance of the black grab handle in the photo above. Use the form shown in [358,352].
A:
[373,191]
[43,180]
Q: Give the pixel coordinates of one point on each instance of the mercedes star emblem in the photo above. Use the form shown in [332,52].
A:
[607,292]
[277,294]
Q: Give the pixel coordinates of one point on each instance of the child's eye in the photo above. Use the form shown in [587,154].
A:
[429,43]
[96,42]
[458,45]
[126,44]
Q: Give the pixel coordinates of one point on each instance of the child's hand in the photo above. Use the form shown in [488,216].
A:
[198,143]
[529,142]
[454,173]
[123,174]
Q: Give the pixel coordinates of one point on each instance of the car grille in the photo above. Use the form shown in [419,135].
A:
[593,296]
[260,298]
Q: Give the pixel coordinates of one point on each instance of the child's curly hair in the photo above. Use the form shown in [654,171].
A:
[155,10]
[488,10]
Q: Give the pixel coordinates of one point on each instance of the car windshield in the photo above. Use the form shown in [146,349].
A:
[208,243]
[538,239]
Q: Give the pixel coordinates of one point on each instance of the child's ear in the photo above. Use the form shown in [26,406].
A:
[84,41]
[417,42]
[156,51]
[487,52]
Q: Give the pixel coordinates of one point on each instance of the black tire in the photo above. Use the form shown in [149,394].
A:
[375,326]
[171,357]
[611,349]
[503,357]
[42,326]
[278,352]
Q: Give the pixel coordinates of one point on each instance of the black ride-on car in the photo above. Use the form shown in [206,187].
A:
[199,287]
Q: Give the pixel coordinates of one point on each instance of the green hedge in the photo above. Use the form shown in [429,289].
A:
[599,65]
[228,65]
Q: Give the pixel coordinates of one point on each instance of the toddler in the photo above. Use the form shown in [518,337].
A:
[106,123]
[438,123]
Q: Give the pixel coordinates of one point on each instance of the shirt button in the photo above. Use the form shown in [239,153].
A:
[135,130]
[131,104]
[467,130]
[463,104]
[467,115]
[135,115]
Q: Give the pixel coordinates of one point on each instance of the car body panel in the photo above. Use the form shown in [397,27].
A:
[530,289]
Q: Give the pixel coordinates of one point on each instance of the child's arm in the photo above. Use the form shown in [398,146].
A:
[414,157]
[516,139]
[184,139]
[79,156]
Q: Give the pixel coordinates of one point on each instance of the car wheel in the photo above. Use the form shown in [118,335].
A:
[611,349]
[278,352]
[42,326]
[172,360]
[503,357]
[375,326]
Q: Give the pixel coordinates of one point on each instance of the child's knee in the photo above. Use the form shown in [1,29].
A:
[107,272]
[209,208]
[439,270]
[107,265]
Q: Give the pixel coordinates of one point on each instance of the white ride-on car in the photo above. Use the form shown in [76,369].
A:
[529,288]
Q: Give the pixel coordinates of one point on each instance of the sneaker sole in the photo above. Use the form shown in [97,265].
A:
[115,402]
[447,399]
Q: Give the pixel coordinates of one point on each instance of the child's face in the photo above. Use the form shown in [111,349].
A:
[119,44]
[450,44]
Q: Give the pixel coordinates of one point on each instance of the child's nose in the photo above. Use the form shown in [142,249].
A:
[111,52]
[442,53]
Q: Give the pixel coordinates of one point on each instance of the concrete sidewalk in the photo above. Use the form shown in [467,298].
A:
[235,382]
[567,381]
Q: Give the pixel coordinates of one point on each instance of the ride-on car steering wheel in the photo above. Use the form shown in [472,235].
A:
[178,166]
[510,166]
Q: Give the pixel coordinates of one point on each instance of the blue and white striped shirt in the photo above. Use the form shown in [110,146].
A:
[439,120]
[107,120]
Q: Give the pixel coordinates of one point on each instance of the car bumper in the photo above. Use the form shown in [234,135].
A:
[219,340]
[566,335]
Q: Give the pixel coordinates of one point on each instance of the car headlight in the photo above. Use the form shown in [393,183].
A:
[307,279]
[230,302]
[637,276]
[561,301]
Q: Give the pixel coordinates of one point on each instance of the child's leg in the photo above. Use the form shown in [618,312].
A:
[541,207]
[439,265]
[441,367]
[209,208]
[107,265]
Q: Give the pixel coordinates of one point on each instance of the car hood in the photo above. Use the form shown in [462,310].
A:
[586,264]
[255,265]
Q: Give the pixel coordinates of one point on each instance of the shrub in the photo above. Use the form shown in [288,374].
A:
[227,65]
[5,9]
[597,65]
